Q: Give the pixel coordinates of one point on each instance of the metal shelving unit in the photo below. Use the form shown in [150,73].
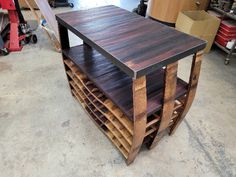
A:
[230,52]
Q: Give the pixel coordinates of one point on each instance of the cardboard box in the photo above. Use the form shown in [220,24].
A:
[199,24]
[210,39]
[24,5]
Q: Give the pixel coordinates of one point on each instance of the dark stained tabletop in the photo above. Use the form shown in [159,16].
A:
[135,44]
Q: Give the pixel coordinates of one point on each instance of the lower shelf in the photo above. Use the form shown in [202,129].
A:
[107,115]
[115,84]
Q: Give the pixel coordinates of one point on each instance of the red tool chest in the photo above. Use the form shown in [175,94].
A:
[226,33]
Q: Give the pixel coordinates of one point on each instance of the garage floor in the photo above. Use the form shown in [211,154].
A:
[44,132]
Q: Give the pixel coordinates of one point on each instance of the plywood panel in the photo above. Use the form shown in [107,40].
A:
[49,15]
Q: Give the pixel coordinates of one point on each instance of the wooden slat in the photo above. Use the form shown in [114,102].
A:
[95,113]
[121,136]
[110,106]
[117,144]
[169,95]
[120,128]
[192,88]
[178,104]
[118,136]
[77,89]
[92,117]
[175,115]
[140,116]
[126,135]
[169,100]
[120,116]
[68,63]
[123,132]
[97,105]
[151,131]
[78,97]
[151,122]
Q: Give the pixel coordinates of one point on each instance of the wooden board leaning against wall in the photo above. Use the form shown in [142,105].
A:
[47,14]
[167,10]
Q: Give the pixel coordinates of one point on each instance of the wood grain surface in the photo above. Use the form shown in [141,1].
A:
[138,46]
[168,101]
[117,85]
[140,116]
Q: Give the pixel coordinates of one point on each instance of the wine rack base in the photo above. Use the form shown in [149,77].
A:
[107,116]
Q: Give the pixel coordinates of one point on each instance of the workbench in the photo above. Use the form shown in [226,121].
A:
[125,74]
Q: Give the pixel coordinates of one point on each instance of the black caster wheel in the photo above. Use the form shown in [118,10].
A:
[71,5]
[226,62]
[52,4]
[27,40]
[5,51]
[135,10]
[34,39]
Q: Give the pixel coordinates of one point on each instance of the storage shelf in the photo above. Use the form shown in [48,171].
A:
[227,14]
[224,49]
[115,84]
[229,52]
[105,114]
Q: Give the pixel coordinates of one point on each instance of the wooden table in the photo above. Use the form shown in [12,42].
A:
[125,74]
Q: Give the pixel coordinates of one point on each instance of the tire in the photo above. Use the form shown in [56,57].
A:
[135,10]
[5,51]
[27,40]
[226,62]
[34,39]
[52,4]
[71,5]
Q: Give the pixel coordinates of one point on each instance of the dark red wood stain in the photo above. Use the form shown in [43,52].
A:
[136,45]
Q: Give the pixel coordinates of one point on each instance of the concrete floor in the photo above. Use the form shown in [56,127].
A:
[44,132]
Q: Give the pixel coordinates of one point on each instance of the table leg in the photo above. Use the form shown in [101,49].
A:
[192,88]
[140,116]
[168,102]
[65,44]
[64,37]
[227,60]
[85,44]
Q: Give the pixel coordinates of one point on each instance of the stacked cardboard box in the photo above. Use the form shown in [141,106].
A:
[226,33]
[199,24]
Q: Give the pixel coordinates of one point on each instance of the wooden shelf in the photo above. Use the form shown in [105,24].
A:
[115,84]
[104,113]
